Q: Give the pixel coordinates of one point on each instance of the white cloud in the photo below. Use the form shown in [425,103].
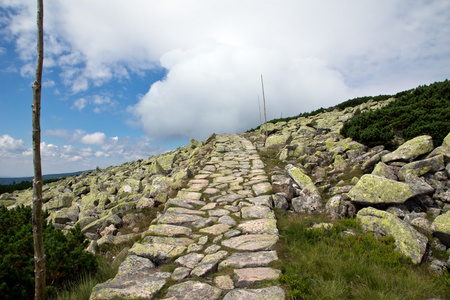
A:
[80,104]
[96,138]
[10,145]
[215,88]
[311,53]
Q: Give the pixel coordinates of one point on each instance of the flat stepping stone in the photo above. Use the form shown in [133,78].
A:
[168,230]
[176,241]
[209,206]
[251,242]
[272,293]
[189,261]
[227,220]
[257,212]
[182,210]
[229,198]
[268,226]
[193,290]
[211,191]
[224,282]
[136,278]
[188,195]
[180,273]
[157,253]
[218,212]
[250,276]
[262,188]
[184,203]
[179,219]
[216,229]
[249,260]
[265,200]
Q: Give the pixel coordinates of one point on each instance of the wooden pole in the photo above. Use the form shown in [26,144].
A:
[259,106]
[265,116]
[39,255]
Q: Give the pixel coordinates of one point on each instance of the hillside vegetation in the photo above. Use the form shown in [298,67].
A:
[421,111]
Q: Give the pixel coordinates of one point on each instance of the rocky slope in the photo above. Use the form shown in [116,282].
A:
[217,224]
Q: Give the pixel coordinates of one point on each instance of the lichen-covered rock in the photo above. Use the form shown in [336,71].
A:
[250,276]
[252,242]
[421,167]
[304,182]
[135,279]
[278,140]
[441,228]
[157,253]
[372,189]
[383,170]
[193,290]
[411,149]
[409,242]
[338,208]
[272,293]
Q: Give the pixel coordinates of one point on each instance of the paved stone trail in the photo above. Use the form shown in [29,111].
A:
[221,224]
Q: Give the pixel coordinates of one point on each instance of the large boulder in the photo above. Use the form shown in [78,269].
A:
[411,149]
[409,242]
[441,228]
[421,167]
[304,182]
[372,189]
[136,278]
[278,140]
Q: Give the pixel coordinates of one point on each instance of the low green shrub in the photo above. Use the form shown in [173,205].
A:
[422,111]
[66,260]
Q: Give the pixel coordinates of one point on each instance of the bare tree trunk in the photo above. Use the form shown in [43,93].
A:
[265,117]
[39,255]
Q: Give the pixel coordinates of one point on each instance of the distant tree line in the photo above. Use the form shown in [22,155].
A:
[24,185]
[424,110]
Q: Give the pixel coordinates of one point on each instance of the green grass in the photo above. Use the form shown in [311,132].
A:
[323,264]
[82,289]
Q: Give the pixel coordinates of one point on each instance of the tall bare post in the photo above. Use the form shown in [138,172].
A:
[265,117]
[259,106]
[39,255]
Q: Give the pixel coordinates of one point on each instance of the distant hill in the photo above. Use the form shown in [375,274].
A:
[12,180]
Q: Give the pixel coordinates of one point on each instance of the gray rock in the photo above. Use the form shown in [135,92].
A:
[250,276]
[282,184]
[136,278]
[280,201]
[441,228]
[251,242]
[383,170]
[408,241]
[258,212]
[193,290]
[338,208]
[272,293]
[190,260]
[306,203]
[268,226]
[372,189]
[422,167]
[249,259]
[411,149]
[180,273]
[179,219]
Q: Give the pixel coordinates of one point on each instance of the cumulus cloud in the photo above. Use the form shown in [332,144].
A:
[215,88]
[98,103]
[10,145]
[311,53]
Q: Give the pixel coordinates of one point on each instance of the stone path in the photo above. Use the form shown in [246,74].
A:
[220,232]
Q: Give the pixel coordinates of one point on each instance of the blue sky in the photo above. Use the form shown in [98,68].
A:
[125,80]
